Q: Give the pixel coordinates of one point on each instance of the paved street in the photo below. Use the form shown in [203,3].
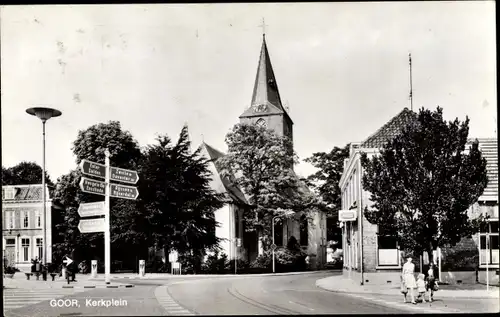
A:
[225,295]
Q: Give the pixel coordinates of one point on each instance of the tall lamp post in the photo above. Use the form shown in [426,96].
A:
[44,114]
[285,213]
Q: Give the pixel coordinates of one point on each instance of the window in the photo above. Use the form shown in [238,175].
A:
[387,248]
[261,123]
[39,247]
[38,219]
[25,246]
[488,243]
[304,231]
[10,242]
[25,219]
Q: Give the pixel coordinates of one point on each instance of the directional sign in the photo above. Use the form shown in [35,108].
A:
[173,256]
[91,209]
[122,191]
[123,175]
[67,261]
[92,225]
[273,247]
[91,186]
[93,168]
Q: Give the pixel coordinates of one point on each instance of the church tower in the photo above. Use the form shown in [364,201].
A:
[266,108]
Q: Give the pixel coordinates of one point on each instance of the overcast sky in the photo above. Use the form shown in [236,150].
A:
[342,68]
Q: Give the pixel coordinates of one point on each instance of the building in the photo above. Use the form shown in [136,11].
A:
[378,258]
[266,110]
[22,219]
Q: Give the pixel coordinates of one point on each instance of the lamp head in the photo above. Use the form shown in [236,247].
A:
[42,113]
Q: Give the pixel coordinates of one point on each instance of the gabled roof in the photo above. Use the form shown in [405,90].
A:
[231,189]
[265,90]
[23,193]
[389,130]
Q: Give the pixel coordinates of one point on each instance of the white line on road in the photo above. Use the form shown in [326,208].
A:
[311,309]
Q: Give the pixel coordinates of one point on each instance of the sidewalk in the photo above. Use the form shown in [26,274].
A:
[82,281]
[343,285]
[132,276]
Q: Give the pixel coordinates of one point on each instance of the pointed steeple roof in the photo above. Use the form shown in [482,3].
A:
[265,91]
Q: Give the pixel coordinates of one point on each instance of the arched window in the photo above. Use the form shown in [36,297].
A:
[304,231]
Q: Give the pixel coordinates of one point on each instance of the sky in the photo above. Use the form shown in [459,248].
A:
[341,68]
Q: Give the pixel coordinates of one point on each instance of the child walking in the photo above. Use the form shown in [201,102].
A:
[421,287]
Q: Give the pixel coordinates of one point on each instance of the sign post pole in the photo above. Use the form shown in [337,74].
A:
[107,236]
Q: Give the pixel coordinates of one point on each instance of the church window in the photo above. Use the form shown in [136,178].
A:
[304,231]
[261,123]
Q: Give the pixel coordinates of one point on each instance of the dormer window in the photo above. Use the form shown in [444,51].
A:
[10,193]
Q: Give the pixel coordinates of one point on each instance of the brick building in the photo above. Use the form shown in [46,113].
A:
[22,219]
[379,253]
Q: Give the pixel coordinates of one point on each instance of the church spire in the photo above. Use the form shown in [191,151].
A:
[265,89]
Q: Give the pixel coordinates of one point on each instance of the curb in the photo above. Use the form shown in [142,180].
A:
[99,286]
[352,291]
[169,276]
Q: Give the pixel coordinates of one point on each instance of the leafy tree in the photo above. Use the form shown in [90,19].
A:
[24,173]
[127,220]
[260,163]
[177,195]
[424,181]
[326,180]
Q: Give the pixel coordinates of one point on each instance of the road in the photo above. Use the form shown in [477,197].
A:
[226,295]
[264,295]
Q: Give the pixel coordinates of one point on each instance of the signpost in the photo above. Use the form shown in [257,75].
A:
[123,175]
[91,209]
[92,186]
[93,169]
[107,190]
[92,225]
[122,191]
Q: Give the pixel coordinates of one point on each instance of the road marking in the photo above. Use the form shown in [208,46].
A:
[311,309]
[168,303]
[17,298]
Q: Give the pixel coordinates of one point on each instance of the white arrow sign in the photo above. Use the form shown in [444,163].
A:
[92,225]
[68,261]
[91,209]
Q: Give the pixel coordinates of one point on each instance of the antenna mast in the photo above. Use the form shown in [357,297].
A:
[411,85]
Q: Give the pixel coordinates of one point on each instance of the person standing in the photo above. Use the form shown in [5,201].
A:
[409,281]
[432,284]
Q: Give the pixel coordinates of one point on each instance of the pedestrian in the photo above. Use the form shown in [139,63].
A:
[432,284]
[421,287]
[404,289]
[409,278]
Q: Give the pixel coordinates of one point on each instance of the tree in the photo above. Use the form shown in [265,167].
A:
[24,173]
[423,183]
[326,180]
[177,195]
[127,224]
[260,163]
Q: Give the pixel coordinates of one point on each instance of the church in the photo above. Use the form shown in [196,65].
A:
[267,110]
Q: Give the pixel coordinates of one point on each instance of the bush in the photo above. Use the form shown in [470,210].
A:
[156,266]
[242,266]
[466,260]
[215,264]
[286,260]
[10,270]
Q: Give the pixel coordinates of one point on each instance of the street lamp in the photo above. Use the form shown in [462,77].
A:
[284,213]
[44,114]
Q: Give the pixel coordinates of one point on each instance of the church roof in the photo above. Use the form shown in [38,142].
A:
[389,130]
[231,189]
[265,90]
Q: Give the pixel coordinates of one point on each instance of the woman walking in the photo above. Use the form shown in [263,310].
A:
[409,281]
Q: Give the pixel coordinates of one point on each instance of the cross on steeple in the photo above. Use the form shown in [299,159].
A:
[263,26]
